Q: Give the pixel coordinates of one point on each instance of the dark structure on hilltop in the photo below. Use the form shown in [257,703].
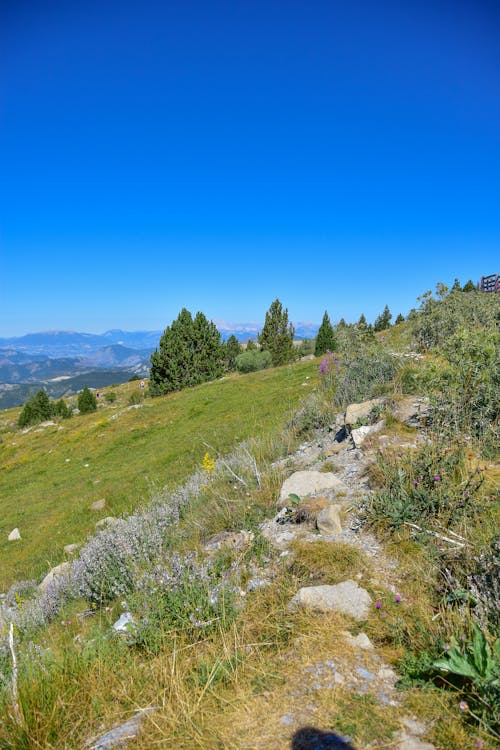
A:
[490,283]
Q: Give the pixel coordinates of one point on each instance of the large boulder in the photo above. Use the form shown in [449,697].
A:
[356,412]
[346,597]
[309,483]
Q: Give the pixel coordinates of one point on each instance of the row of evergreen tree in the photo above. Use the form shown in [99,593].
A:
[40,408]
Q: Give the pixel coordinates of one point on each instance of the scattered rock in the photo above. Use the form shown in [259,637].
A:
[70,549]
[54,573]
[328,520]
[233,539]
[305,483]
[410,742]
[99,504]
[108,521]
[356,412]
[346,597]
[14,535]
[360,434]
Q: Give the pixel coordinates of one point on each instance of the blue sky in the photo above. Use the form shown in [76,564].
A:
[216,155]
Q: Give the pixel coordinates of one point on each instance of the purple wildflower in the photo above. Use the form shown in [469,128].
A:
[378,605]
[463,706]
[397,598]
[437,478]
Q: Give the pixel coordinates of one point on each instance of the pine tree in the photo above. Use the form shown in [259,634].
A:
[364,330]
[277,335]
[190,352]
[325,340]
[383,321]
[469,286]
[399,319]
[87,402]
[232,349]
[456,286]
[251,345]
[37,409]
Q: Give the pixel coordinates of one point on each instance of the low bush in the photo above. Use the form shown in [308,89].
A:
[357,376]
[253,360]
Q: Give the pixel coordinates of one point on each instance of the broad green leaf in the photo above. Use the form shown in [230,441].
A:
[481,650]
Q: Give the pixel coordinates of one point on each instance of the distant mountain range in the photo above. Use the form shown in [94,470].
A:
[63,362]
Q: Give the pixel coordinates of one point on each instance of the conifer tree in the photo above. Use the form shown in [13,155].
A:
[190,352]
[364,330]
[325,340]
[36,409]
[277,334]
[384,320]
[399,319]
[456,286]
[251,345]
[469,286]
[87,402]
[232,349]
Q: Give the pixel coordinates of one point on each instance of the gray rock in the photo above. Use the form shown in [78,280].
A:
[328,520]
[346,597]
[108,521]
[118,736]
[306,483]
[99,504]
[14,535]
[356,412]
[360,434]
[70,549]
[54,573]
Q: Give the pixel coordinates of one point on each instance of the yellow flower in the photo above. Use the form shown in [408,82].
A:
[208,464]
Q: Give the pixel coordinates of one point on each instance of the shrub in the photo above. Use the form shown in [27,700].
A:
[135,398]
[252,360]
[110,397]
[180,593]
[87,401]
[426,487]
[61,409]
[356,377]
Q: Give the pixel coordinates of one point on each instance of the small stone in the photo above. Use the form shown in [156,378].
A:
[409,742]
[413,726]
[14,535]
[99,504]
[360,641]
[233,539]
[328,520]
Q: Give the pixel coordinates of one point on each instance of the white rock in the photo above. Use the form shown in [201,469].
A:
[328,520]
[14,535]
[99,504]
[124,620]
[70,549]
[360,641]
[361,433]
[346,597]
[307,483]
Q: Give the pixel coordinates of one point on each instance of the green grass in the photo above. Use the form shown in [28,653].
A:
[48,497]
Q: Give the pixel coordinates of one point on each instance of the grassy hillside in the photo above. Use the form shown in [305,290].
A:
[50,476]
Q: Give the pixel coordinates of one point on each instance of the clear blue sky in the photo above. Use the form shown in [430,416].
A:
[216,155]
